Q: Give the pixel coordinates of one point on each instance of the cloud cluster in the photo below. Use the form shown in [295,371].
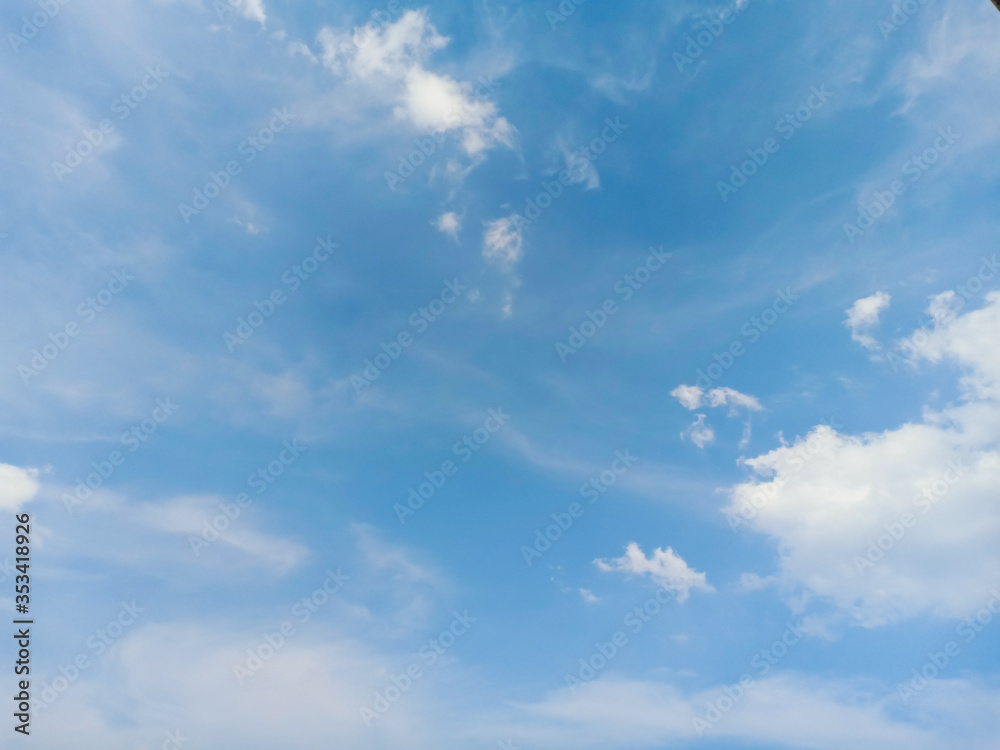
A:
[886,526]
[391,65]
[692,397]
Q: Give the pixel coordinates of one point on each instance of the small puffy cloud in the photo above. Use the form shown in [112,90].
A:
[688,395]
[391,65]
[448,223]
[692,397]
[508,305]
[17,486]
[699,432]
[863,315]
[502,242]
[665,567]
[588,596]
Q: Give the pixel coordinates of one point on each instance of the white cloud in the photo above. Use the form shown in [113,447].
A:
[688,395]
[665,567]
[17,486]
[254,10]
[890,525]
[448,223]
[502,242]
[391,65]
[954,60]
[588,596]
[194,515]
[699,432]
[692,397]
[306,694]
[863,315]
[733,399]
[972,340]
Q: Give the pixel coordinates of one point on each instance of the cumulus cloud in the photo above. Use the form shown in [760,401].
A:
[17,486]
[863,316]
[448,223]
[889,525]
[502,242]
[665,567]
[692,397]
[254,10]
[699,432]
[391,64]
[688,395]
[972,339]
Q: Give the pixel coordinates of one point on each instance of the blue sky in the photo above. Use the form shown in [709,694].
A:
[363,381]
